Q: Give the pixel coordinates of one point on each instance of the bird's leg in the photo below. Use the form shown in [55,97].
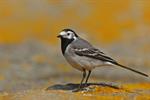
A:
[84,75]
[87,78]
[80,86]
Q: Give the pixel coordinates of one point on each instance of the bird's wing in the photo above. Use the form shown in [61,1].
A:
[93,53]
[97,54]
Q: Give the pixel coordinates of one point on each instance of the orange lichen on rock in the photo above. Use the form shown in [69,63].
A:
[137,86]
[93,92]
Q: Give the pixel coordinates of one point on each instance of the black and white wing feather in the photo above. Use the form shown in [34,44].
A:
[95,54]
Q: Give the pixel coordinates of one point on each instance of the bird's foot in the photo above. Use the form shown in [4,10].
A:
[85,85]
[80,88]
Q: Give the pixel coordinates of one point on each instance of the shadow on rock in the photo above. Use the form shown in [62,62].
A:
[71,86]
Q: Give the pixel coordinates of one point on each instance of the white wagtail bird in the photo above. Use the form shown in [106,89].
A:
[83,56]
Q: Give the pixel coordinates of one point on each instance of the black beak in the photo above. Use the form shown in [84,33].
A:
[58,36]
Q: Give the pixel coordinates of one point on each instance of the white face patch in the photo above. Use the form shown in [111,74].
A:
[68,35]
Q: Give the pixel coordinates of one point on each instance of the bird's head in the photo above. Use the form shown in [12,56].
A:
[67,34]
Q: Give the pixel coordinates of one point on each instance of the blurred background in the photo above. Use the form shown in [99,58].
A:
[30,55]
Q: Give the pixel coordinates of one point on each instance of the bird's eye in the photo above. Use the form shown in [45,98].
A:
[68,33]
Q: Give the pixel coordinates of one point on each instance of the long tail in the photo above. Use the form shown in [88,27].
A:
[138,72]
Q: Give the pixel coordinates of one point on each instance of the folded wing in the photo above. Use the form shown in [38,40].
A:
[97,54]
